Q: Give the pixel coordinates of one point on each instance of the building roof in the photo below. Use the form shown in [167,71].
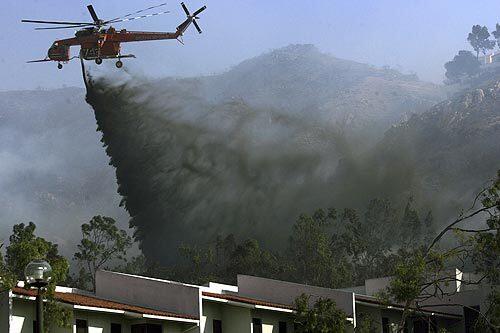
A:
[375,301]
[92,301]
[359,298]
[246,300]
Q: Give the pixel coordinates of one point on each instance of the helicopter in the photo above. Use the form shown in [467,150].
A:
[98,40]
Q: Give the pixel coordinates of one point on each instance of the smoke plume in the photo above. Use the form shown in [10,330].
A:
[188,169]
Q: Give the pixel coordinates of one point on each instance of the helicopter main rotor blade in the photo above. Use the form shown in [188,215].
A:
[41,60]
[185,9]
[93,14]
[66,27]
[197,26]
[137,12]
[199,10]
[57,22]
[137,17]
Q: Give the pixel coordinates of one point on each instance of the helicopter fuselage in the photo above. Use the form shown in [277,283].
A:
[103,44]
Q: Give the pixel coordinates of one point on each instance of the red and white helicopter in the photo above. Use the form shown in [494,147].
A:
[98,40]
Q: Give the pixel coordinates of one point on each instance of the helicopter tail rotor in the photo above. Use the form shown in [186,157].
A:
[191,18]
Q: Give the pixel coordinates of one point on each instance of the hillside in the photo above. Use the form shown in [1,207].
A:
[455,143]
[280,125]
[53,170]
[441,157]
[302,80]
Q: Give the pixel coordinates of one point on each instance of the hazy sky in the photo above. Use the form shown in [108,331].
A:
[410,35]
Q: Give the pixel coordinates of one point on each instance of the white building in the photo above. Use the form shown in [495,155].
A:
[490,59]
[126,303]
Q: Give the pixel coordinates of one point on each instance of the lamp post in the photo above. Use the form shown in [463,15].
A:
[38,274]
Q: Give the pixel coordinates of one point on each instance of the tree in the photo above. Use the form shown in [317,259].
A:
[368,241]
[198,266]
[419,274]
[486,252]
[251,259]
[380,223]
[101,244]
[325,248]
[225,259]
[365,323]
[479,39]
[464,64]
[411,225]
[496,34]
[136,265]
[428,227]
[7,279]
[310,253]
[322,317]
[24,247]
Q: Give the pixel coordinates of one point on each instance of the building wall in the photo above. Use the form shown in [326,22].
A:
[180,328]
[24,312]
[101,322]
[373,312]
[270,320]
[150,293]
[373,286]
[211,311]
[167,326]
[4,311]
[283,292]
[236,319]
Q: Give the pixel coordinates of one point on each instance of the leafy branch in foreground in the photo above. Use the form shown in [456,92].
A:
[421,274]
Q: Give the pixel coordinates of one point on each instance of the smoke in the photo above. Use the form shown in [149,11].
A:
[189,170]
[52,169]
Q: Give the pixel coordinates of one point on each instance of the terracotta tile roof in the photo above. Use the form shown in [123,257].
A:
[84,300]
[247,300]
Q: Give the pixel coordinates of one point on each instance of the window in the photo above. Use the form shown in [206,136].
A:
[217,326]
[139,328]
[153,328]
[282,327]
[385,325]
[146,328]
[420,325]
[116,328]
[257,325]
[81,326]
[471,315]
